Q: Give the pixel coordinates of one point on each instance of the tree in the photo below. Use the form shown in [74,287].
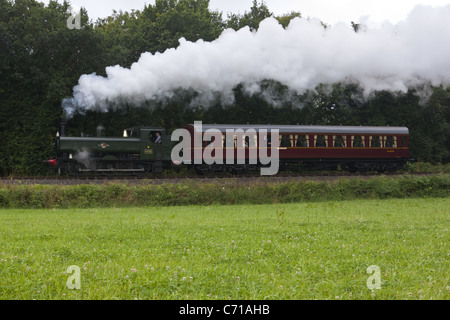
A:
[163,24]
[43,61]
[430,127]
[122,39]
[285,19]
[258,12]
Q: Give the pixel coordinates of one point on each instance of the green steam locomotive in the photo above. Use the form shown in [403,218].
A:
[141,150]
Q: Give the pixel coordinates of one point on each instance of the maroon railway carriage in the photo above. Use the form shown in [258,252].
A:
[350,147]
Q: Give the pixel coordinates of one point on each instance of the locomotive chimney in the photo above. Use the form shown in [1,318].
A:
[62,126]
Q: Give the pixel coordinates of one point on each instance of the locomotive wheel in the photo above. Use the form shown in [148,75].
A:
[73,169]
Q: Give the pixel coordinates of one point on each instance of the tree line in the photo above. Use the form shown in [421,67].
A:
[41,60]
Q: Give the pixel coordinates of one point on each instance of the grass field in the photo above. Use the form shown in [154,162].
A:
[287,251]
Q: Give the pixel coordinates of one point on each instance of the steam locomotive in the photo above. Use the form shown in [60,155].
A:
[147,150]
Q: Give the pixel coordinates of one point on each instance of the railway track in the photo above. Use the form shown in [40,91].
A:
[207,178]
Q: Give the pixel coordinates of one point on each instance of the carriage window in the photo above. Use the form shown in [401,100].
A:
[246,142]
[210,139]
[358,142]
[242,141]
[268,141]
[391,142]
[231,143]
[302,141]
[339,142]
[250,141]
[321,141]
[375,142]
[285,141]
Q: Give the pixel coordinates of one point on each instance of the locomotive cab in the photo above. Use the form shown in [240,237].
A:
[154,144]
[155,147]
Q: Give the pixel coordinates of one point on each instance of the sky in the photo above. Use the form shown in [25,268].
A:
[329,11]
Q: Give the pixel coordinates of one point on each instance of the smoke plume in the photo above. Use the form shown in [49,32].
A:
[394,57]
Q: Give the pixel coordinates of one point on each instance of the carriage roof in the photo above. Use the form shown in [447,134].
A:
[354,130]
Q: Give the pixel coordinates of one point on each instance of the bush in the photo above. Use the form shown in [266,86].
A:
[228,192]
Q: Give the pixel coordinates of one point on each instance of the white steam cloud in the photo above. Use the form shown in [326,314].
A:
[389,57]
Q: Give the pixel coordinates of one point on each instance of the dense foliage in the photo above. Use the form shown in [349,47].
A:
[233,193]
[41,60]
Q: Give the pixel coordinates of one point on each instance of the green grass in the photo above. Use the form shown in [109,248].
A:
[285,251]
[423,167]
